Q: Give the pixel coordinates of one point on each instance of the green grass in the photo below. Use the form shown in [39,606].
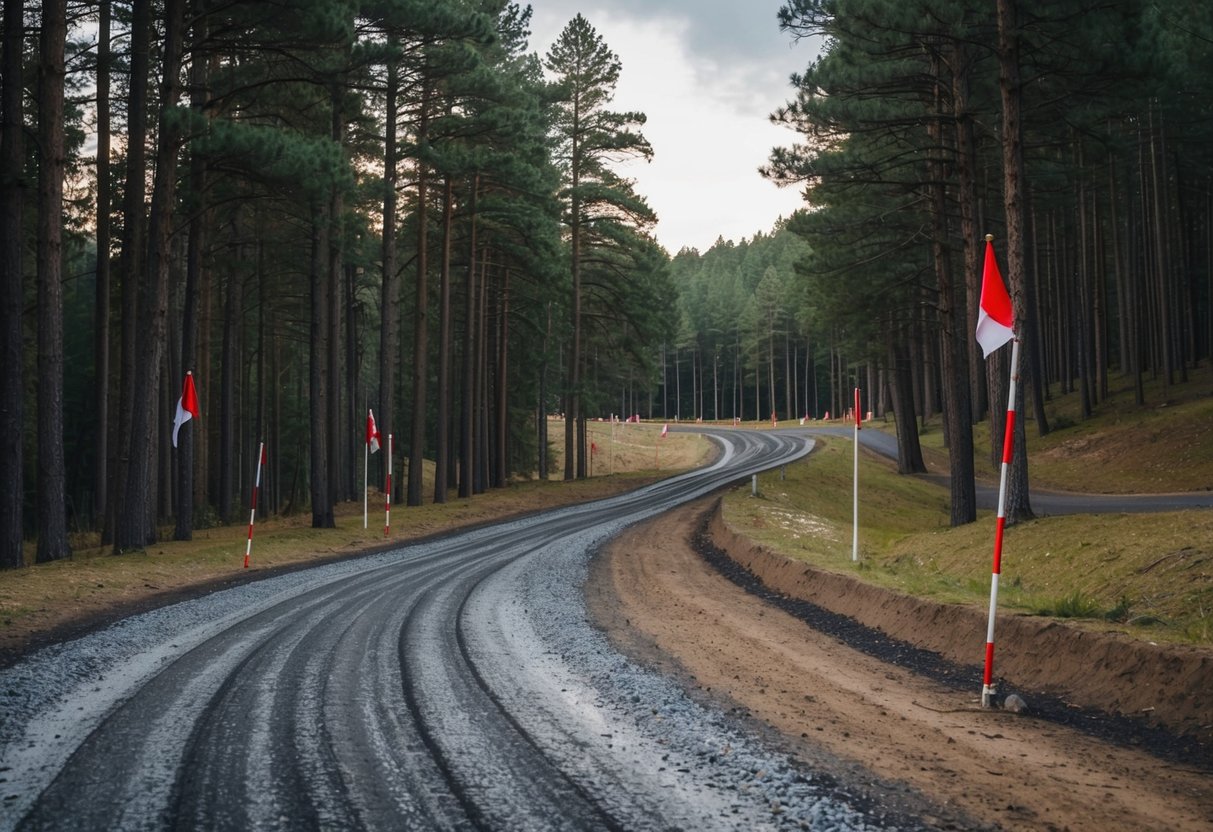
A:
[1150,575]
[1164,445]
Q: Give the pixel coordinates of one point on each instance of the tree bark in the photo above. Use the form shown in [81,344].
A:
[466,444]
[101,334]
[953,318]
[389,298]
[420,317]
[1018,506]
[52,472]
[318,374]
[905,418]
[199,236]
[130,264]
[12,201]
[442,455]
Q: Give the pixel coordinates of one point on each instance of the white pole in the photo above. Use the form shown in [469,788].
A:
[366,464]
[248,548]
[855,508]
[387,497]
[987,687]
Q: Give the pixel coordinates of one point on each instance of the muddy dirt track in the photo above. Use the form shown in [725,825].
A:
[919,743]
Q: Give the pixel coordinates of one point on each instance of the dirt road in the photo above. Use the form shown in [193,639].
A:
[923,746]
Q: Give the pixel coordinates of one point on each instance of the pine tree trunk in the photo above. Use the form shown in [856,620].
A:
[444,347]
[199,237]
[135,528]
[389,299]
[227,397]
[1018,506]
[52,472]
[901,396]
[318,409]
[953,318]
[466,446]
[503,420]
[12,199]
[420,317]
[130,265]
[101,335]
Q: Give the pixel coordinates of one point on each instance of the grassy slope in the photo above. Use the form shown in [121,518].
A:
[1148,575]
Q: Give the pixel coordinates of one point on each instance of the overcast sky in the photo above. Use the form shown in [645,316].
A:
[707,73]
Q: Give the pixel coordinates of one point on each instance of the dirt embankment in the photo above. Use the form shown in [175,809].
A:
[905,741]
[1167,685]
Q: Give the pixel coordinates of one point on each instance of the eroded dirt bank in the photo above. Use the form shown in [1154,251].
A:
[913,740]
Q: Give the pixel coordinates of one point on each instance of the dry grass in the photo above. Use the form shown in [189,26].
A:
[48,596]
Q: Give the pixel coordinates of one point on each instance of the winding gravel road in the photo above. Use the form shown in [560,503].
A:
[448,685]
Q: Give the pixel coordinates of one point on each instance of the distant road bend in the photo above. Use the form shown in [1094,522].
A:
[453,684]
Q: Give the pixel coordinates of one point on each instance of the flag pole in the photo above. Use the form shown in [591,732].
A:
[855,509]
[387,495]
[987,687]
[248,548]
[366,470]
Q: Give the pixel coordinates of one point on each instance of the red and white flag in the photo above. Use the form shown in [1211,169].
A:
[372,433]
[187,405]
[665,429]
[995,320]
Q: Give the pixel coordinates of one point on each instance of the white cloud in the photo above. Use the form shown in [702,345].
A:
[707,96]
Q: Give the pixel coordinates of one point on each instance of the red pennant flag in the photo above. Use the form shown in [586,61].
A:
[995,320]
[187,406]
[665,429]
[372,433]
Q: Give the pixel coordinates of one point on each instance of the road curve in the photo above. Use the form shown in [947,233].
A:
[1044,502]
[448,685]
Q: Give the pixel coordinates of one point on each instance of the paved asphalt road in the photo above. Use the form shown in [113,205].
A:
[1043,502]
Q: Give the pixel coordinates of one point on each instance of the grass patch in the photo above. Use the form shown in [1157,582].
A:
[1161,446]
[1080,567]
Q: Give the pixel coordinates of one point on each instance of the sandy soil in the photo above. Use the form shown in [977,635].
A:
[907,741]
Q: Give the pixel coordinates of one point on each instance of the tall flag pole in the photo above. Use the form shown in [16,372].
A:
[372,445]
[855,509]
[187,405]
[248,548]
[387,491]
[665,429]
[995,326]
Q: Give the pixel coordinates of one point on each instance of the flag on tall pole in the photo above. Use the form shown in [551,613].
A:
[187,405]
[372,432]
[995,326]
[372,445]
[995,319]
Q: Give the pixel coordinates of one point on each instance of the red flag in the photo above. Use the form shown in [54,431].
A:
[187,406]
[372,433]
[665,429]
[996,318]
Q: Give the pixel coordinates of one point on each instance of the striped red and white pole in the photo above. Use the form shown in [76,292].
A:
[387,491]
[1008,443]
[248,547]
[855,507]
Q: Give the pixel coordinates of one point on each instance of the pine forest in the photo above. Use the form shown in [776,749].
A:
[330,208]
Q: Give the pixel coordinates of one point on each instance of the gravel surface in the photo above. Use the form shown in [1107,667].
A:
[619,746]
